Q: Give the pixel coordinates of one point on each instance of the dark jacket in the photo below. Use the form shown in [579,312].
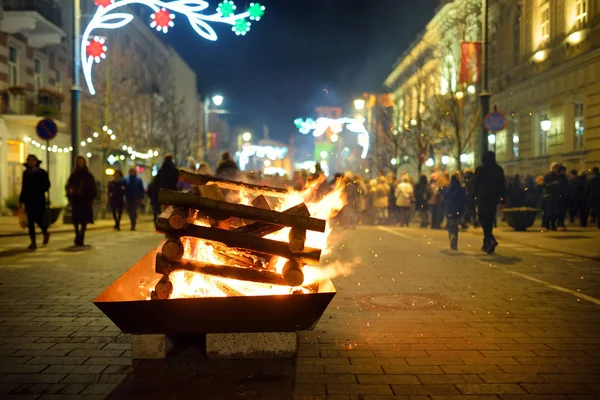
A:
[516,195]
[489,185]
[81,187]
[551,185]
[227,169]
[592,191]
[455,199]
[167,177]
[422,195]
[134,188]
[116,192]
[531,193]
[34,186]
[577,188]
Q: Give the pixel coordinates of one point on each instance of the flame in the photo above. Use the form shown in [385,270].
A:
[189,284]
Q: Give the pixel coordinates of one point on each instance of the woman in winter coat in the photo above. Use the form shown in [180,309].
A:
[35,185]
[81,192]
[405,196]
[116,193]
[380,199]
[455,199]
[422,195]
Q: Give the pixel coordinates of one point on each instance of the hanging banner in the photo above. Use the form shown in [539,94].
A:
[470,66]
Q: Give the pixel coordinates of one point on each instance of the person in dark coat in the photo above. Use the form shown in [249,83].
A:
[166,178]
[516,193]
[489,187]
[550,194]
[227,168]
[592,194]
[563,197]
[531,192]
[576,200]
[134,196]
[455,198]
[81,192]
[422,195]
[35,184]
[116,193]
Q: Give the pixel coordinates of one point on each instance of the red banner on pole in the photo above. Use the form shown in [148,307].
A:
[470,66]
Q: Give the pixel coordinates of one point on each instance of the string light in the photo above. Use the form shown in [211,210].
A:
[109,132]
[321,125]
[53,149]
[162,18]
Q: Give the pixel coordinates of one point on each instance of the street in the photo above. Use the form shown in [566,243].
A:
[412,320]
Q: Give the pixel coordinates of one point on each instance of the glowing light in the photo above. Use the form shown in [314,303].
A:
[112,137]
[464,157]
[270,152]
[162,20]
[540,56]
[89,155]
[321,125]
[246,136]
[460,95]
[546,124]
[83,143]
[155,153]
[112,159]
[575,37]
[109,171]
[471,89]
[89,140]
[359,104]
[394,161]
[267,163]
[124,147]
[430,162]
[105,128]
[218,100]
[492,139]
[445,160]
[121,157]
[334,138]
[413,122]
[163,14]
[27,139]
[109,131]
[43,147]
[324,154]
[95,134]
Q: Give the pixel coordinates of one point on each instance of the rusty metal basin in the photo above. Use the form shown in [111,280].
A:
[125,304]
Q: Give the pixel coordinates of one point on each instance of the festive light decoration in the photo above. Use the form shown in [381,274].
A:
[270,152]
[52,149]
[164,13]
[321,125]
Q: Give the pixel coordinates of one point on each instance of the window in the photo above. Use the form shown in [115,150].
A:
[37,74]
[500,145]
[13,67]
[545,20]
[58,81]
[542,141]
[515,138]
[517,39]
[580,13]
[578,120]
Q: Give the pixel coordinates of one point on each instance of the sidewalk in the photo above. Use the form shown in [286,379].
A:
[577,241]
[9,226]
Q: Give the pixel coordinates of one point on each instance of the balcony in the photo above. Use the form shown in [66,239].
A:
[39,20]
[19,103]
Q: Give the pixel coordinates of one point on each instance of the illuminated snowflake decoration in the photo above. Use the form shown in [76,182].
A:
[226,8]
[321,125]
[96,49]
[256,11]
[241,27]
[162,20]
[163,14]
[103,3]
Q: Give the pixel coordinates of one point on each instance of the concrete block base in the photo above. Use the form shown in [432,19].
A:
[251,346]
[150,347]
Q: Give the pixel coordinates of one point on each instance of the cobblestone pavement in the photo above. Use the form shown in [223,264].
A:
[412,321]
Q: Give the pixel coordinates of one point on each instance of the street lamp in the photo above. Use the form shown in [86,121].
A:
[359,104]
[546,124]
[217,100]
[246,136]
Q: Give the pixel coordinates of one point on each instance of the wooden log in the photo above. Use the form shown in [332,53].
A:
[173,249]
[163,289]
[211,192]
[241,211]
[164,266]
[263,229]
[309,256]
[261,202]
[179,217]
[297,238]
[198,179]
[292,273]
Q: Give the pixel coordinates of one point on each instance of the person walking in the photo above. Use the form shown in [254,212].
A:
[134,196]
[166,178]
[116,193]
[592,194]
[380,192]
[436,204]
[489,189]
[405,196]
[393,210]
[455,201]
[34,185]
[81,192]
[550,193]
[515,196]
[422,194]
[576,201]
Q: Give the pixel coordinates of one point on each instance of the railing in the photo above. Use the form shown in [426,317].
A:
[46,8]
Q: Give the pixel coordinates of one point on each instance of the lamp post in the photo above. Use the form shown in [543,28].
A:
[484,95]
[545,125]
[217,100]
[75,88]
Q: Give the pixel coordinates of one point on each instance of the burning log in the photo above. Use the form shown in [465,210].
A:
[263,229]
[163,289]
[179,217]
[164,266]
[297,238]
[173,249]
[292,273]
[241,211]
[236,240]
[261,202]
[198,179]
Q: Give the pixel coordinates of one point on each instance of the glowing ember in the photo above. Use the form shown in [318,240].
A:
[190,284]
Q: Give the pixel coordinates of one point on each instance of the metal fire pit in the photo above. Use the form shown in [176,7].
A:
[126,305]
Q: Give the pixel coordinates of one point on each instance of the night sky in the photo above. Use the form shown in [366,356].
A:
[279,71]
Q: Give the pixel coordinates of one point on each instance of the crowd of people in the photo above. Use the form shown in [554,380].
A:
[459,200]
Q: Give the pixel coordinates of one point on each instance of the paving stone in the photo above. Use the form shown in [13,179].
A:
[353,369]
[358,389]
[32,378]
[489,388]
[424,390]
[388,380]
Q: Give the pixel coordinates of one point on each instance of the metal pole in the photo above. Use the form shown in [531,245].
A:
[484,94]
[75,88]
[48,172]
[206,126]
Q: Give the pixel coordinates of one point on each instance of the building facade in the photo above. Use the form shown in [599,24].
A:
[34,82]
